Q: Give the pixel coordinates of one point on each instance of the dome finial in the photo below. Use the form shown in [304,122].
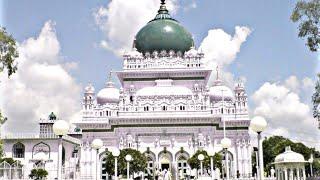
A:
[110,76]
[163,2]
[217,70]
[217,81]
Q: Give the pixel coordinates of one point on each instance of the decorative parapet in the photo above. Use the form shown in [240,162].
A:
[25,136]
[167,60]
[168,121]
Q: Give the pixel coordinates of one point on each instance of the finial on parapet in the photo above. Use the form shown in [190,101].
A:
[110,76]
[217,70]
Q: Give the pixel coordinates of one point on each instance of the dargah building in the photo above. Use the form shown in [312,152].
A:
[163,108]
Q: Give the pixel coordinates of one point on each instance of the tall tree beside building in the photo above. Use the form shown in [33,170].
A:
[8,56]
[8,53]
[307,13]
[316,99]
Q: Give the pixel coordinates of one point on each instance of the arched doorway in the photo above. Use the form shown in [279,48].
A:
[151,162]
[182,164]
[165,160]
[225,161]
[105,164]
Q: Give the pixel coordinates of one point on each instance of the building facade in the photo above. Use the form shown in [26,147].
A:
[164,108]
[164,104]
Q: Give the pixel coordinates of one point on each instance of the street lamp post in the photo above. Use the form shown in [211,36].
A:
[311,161]
[128,159]
[60,128]
[201,158]
[116,153]
[259,124]
[226,144]
[211,154]
[97,144]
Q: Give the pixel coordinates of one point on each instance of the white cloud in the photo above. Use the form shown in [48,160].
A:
[122,19]
[69,66]
[191,5]
[220,48]
[41,84]
[292,83]
[287,115]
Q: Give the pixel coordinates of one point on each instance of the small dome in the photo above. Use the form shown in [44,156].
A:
[163,33]
[89,89]
[110,94]
[52,116]
[215,93]
[164,88]
[191,52]
[134,53]
[289,156]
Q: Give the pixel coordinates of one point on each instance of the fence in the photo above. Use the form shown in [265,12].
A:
[8,171]
[17,171]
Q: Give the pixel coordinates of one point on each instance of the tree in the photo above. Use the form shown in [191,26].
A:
[195,163]
[2,120]
[139,162]
[308,13]
[316,99]
[38,174]
[8,53]
[275,145]
[8,160]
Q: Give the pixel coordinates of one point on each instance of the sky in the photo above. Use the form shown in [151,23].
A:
[64,45]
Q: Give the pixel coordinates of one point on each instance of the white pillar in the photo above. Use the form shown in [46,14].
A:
[60,158]
[116,168]
[304,173]
[97,165]
[249,160]
[201,168]
[245,159]
[227,163]
[298,173]
[88,162]
[285,174]
[211,165]
[128,170]
[242,160]
[237,158]
[260,157]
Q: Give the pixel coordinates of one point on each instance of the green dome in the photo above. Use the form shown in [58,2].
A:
[163,33]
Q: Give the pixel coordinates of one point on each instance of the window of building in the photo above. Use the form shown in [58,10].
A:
[182,164]
[164,108]
[18,150]
[182,108]
[150,165]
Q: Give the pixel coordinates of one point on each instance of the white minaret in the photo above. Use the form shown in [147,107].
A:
[241,97]
[89,97]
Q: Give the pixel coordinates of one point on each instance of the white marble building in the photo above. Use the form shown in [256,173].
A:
[163,108]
